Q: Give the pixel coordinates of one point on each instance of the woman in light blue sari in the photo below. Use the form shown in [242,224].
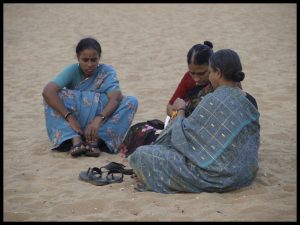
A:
[84,106]
[215,149]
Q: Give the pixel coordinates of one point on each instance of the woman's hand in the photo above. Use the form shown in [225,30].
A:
[74,124]
[91,131]
[179,104]
[179,108]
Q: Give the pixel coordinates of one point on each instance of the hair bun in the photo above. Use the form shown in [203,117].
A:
[209,44]
[239,76]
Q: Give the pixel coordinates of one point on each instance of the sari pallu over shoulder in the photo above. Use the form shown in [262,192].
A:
[104,79]
[213,125]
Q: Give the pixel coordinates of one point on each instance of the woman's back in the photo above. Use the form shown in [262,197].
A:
[214,149]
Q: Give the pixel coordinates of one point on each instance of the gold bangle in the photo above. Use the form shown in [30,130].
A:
[174,114]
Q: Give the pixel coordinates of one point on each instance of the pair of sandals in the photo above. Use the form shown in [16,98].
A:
[114,174]
[86,149]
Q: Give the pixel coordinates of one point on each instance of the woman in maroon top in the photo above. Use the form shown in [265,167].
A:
[195,82]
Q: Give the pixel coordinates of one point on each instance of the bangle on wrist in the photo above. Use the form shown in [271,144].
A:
[180,109]
[67,115]
[101,116]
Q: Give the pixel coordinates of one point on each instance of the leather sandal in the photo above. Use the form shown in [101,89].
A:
[78,149]
[97,177]
[92,150]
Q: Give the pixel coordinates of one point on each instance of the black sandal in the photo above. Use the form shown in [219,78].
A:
[95,176]
[118,167]
[78,149]
[92,150]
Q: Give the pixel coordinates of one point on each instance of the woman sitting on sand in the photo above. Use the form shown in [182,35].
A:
[195,83]
[84,105]
[215,149]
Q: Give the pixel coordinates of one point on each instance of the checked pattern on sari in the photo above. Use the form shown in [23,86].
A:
[215,149]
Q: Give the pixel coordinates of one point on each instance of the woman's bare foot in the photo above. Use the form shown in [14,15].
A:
[134,176]
[139,185]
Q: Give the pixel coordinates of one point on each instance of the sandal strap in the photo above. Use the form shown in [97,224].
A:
[116,167]
[90,147]
[77,145]
[93,145]
[96,170]
[112,174]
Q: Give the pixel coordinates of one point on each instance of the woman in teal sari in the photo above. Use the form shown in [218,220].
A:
[215,149]
[84,107]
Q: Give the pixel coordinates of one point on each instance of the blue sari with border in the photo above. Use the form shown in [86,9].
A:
[85,101]
[215,149]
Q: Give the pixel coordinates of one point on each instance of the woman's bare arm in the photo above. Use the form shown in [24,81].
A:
[113,103]
[50,94]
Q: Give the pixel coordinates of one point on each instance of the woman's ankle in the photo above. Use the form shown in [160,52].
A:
[76,140]
[94,143]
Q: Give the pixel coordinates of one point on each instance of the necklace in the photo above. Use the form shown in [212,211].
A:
[83,80]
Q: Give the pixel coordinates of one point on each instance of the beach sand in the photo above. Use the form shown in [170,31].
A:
[147,44]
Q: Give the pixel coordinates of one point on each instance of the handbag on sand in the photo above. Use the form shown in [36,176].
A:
[143,133]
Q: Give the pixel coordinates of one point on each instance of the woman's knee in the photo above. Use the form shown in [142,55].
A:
[133,100]
[136,155]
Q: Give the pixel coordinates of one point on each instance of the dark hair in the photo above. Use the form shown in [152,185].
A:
[88,43]
[229,63]
[199,54]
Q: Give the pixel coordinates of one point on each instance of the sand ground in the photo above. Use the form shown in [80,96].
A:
[147,44]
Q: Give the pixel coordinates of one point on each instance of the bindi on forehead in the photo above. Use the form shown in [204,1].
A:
[89,56]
